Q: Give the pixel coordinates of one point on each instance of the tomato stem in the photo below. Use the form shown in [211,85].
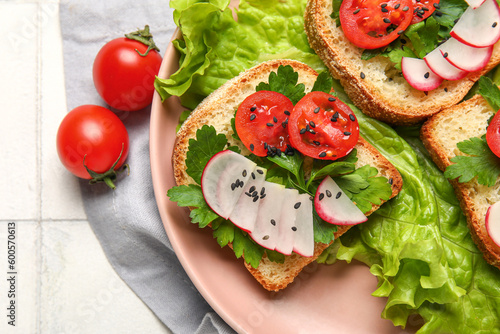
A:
[108,176]
[145,37]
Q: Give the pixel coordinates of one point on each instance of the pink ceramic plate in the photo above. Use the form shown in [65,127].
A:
[323,299]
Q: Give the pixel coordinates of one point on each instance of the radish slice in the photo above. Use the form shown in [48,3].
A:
[479,27]
[265,231]
[333,205]
[493,222]
[439,65]
[465,57]
[474,3]
[419,75]
[245,211]
[285,243]
[303,229]
[223,180]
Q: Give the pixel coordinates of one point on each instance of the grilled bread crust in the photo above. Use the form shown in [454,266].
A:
[374,85]
[218,109]
[440,135]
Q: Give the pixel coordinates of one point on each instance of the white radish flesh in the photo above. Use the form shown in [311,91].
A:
[223,180]
[493,222]
[479,27]
[285,242]
[465,57]
[333,205]
[303,229]
[419,75]
[439,65]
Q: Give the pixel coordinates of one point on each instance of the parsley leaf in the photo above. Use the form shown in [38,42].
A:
[480,162]
[489,91]
[323,83]
[192,196]
[364,188]
[244,246]
[207,144]
[223,232]
[284,81]
[323,231]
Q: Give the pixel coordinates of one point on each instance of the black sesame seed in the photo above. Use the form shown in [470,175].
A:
[400,33]
[397,6]
[321,196]
[260,171]
[252,189]
[391,181]
[384,10]
[253,108]
[494,24]
[437,13]
[445,54]
[436,5]
[331,99]
[273,222]
[253,175]
[322,154]
[406,8]
[255,199]
[316,142]
[233,186]
[333,119]
[263,195]
[252,147]
[362,75]
[270,124]
[244,173]
[262,191]
[347,133]
[311,131]
[386,20]
[338,195]
[242,184]
[426,75]
[446,89]
[356,11]
[328,193]
[284,124]
[252,117]
[294,228]
[248,194]
[302,131]
[297,205]
[316,110]
[425,9]
[255,193]
[351,116]
[275,120]
[311,123]
[266,237]
[287,112]
[383,5]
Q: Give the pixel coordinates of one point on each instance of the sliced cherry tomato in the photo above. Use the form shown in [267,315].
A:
[493,135]
[124,71]
[422,9]
[261,123]
[371,24]
[323,127]
[92,143]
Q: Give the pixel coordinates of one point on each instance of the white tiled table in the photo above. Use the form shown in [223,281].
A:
[64,283]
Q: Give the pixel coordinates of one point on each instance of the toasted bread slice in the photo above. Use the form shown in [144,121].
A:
[440,135]
[381,91]
[218,109]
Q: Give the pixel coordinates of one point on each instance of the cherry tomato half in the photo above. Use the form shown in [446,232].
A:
[422,9]
[372,24]
[493,135]
[261,122]
[95,134]
[123,77]
[323,127]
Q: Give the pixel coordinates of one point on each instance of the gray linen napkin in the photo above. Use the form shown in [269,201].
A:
[126,221]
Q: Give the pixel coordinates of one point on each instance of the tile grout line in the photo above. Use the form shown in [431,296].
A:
[39,166]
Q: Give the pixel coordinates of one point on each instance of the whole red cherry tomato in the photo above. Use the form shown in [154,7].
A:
[493,135]
[372,24]
[124,71]
[92,143]
[261,123]
[323,127]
